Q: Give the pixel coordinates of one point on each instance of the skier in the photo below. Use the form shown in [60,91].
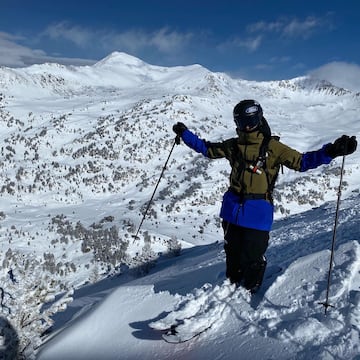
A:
[247,207]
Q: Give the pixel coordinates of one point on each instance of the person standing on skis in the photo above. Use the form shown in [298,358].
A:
[247,208]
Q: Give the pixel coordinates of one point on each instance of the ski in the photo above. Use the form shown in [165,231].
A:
[172,336]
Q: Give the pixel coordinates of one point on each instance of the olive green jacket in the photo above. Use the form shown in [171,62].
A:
[243,151]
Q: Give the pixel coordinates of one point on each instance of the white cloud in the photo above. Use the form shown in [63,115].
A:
[292,27]
[12,54]
[167,41]
[75,34]
[341,74]
[301,28]
[251,44]
[262,26]
[15,55]
[163,40]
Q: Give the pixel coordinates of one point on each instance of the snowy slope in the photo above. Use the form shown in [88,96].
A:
[82,150]
[284,321]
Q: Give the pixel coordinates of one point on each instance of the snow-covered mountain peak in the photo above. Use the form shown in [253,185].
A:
[120,58]
[312,84]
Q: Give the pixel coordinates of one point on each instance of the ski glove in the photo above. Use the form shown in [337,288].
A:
[344,145]
[179,128]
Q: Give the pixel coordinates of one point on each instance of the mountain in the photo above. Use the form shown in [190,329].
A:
[83,148]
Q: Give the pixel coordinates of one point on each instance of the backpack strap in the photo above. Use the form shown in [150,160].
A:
[262,155]
[260,162]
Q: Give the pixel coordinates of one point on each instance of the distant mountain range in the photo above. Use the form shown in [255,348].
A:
[123,71]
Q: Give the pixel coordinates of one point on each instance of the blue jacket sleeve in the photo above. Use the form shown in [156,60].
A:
[194,142]
[313,159]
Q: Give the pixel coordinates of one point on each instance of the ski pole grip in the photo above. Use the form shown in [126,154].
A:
[177,140]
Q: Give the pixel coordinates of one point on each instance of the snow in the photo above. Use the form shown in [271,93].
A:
[83,148]
[283,321]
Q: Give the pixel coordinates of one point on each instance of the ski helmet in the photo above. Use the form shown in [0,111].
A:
[247,115]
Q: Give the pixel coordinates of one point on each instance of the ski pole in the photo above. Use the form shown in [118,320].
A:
[326,304]
[176,142]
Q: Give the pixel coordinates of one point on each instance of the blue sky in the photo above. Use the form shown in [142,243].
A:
[255,39]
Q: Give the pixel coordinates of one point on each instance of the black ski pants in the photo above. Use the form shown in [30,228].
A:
[245,255]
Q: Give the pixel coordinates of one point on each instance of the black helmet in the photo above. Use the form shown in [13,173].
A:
[247,115]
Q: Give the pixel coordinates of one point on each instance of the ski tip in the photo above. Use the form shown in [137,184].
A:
[172,336]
